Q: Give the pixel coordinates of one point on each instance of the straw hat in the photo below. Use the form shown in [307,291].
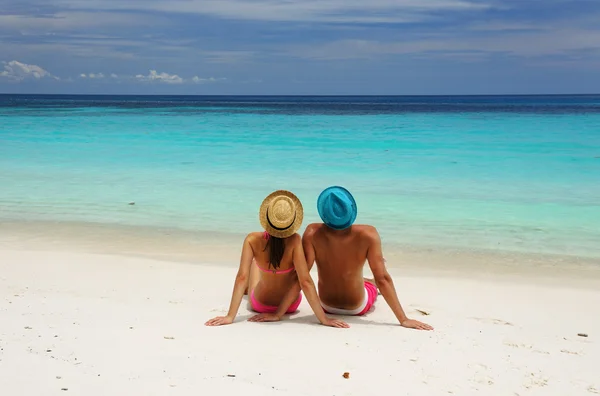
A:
[281,214]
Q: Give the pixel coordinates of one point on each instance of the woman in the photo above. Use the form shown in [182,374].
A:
[271,264]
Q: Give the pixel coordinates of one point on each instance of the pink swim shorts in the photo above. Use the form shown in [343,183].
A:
[367,304]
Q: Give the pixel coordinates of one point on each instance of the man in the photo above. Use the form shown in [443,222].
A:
[340,250]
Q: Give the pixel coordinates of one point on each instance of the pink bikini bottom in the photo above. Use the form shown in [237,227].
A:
[262,308]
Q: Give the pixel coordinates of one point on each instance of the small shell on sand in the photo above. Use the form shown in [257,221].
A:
[346,375]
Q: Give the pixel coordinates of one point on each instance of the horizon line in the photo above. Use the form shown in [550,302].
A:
[299,95]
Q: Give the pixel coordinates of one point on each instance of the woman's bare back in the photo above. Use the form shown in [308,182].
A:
[268,284]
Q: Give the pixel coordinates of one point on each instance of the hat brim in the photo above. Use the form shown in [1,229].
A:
[321,215]
[293,228]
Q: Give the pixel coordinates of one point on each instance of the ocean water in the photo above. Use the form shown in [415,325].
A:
[511,173]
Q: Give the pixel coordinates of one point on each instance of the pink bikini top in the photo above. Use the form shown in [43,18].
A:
[287,271]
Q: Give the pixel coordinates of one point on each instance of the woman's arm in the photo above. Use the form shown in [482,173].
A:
[286,302]
[239,287]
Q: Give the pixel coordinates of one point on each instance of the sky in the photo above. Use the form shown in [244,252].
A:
[300,47]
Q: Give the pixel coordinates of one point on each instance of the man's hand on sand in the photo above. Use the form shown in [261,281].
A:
[219,321]
[415,324]
[336,323]
[264,318]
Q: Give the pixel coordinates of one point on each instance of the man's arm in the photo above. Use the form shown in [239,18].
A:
[307,246]
[385,283]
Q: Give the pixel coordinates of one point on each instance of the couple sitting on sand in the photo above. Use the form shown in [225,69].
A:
[275,264]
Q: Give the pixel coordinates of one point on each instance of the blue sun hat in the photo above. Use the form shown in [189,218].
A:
[337,207]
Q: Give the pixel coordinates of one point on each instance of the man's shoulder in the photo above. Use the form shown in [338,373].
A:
[312,228]
[366,231]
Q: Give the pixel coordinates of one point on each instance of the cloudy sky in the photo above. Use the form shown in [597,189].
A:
[300,46]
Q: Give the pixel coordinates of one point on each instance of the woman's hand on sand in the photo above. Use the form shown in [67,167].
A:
[340,324]
[415,324]
[219,321]
[265,317]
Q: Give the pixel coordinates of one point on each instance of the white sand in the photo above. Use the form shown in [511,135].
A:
[96,325]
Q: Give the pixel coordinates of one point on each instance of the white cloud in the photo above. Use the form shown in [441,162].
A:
[17,71]
[153,76]
[199,80]
[231,56]
[75,21]
[290,10]
[103,39]
[93,76]
[163,77]
[502,26]
[517,44]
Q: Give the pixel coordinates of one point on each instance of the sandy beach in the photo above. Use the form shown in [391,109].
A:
[82,323]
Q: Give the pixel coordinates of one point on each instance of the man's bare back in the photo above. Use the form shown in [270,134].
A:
[340,257]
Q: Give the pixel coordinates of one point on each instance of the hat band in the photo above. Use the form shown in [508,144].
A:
[279,228]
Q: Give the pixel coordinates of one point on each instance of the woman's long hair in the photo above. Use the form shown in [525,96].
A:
[276,248]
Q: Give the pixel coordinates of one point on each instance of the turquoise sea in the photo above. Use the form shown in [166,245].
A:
[515,173]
